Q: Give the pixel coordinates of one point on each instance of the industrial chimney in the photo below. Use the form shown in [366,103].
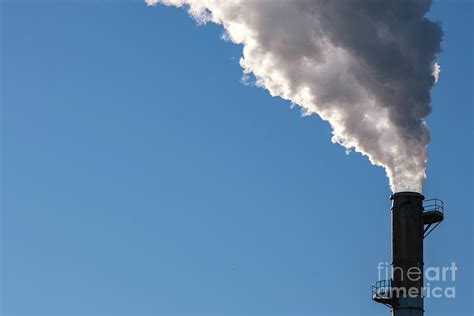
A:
[413,219]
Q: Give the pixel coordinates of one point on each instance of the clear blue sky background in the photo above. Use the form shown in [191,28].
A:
[140,177]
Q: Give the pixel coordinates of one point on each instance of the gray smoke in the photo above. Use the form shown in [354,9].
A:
[365,66]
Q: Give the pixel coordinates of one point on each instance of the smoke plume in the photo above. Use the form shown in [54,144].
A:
[365,66]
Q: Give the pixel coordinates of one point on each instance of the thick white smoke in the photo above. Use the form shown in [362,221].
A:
[365,66]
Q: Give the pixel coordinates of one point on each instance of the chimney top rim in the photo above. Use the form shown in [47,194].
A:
[405,193]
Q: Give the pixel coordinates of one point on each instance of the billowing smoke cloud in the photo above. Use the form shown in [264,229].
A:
[365,66]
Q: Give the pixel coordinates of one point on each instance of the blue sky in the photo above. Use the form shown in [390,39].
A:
[140,177]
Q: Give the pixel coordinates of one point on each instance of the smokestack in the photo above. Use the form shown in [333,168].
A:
[412,220]
[407,252]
